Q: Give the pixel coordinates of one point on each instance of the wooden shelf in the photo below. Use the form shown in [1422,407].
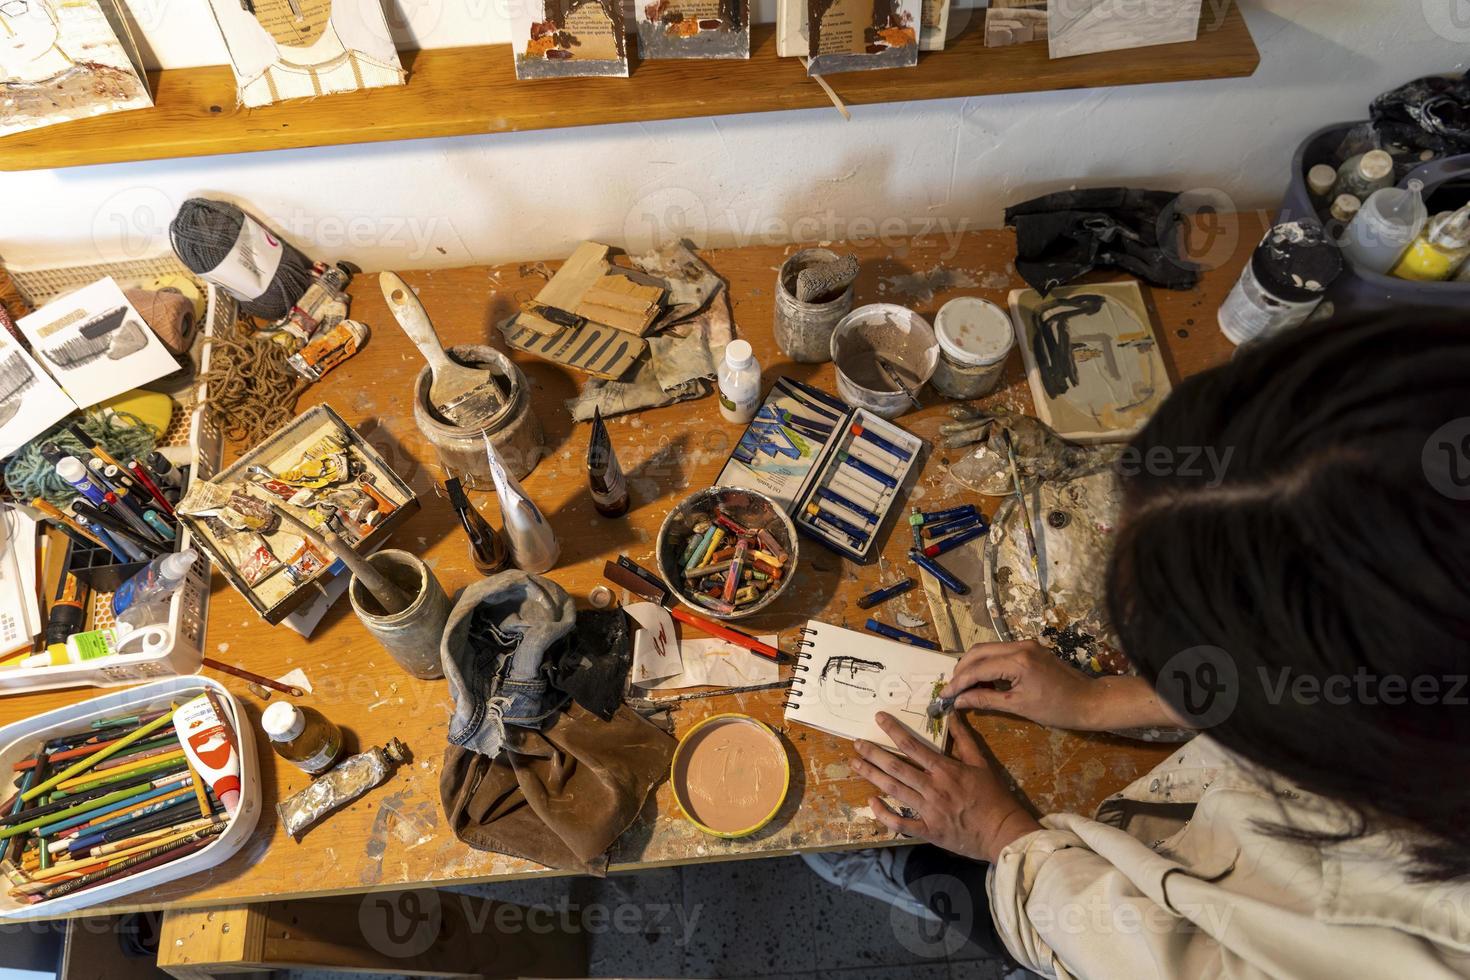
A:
[464,91]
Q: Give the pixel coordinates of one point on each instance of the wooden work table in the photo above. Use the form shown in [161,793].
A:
[396,836]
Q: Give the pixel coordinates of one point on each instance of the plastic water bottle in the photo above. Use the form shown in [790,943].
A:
[158,580]
[740,382]
[1386,226]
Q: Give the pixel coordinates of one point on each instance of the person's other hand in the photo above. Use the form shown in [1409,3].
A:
[962,803]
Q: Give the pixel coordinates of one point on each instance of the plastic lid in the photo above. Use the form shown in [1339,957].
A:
[1296,261]
[71,469]
[738,354]
[973,331]
[1345,207]
[177,564]
[1375,165]
[282,721]
[1321,178]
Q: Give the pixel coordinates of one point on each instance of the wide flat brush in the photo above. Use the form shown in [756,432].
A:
[465,396]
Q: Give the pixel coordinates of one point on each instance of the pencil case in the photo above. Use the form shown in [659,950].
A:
[19,740]
[804,451]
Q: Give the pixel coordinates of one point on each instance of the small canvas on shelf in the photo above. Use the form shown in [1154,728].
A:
[297,49]
[693,28]
[569,38]
[66,59]
[855,35]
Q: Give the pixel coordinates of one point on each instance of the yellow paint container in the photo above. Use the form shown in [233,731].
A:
[730,775]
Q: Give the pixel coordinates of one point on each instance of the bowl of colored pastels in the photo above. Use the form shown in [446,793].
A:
[727,552]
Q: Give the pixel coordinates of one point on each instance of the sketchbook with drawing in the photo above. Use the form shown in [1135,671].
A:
[846,677]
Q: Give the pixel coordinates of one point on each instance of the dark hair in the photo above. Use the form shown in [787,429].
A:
[1336,542]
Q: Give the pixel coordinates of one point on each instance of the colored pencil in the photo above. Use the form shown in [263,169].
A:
[744,640]
[168,767]
[123,771]
[77,769]
[67,819]
[199,794]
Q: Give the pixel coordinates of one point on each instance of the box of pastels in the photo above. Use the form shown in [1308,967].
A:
[840,472]
[136,819]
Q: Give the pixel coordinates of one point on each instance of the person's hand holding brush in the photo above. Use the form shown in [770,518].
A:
[1028,680]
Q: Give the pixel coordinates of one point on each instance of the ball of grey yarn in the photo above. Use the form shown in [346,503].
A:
[204,231]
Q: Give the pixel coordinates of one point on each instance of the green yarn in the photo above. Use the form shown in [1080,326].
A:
[123,434]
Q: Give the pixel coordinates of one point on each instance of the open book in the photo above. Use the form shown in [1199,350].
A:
[845,678]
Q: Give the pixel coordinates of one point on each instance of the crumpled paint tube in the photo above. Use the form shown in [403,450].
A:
[533,544]
[345,783]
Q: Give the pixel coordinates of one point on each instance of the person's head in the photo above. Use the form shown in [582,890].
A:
[1333,545]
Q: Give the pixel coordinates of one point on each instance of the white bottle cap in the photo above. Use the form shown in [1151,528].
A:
[738,354]
[1375,165]
[177,564]
[1321,178]
[71,469]
[282,722]
[973,331]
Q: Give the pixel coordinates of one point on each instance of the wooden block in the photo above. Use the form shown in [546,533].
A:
[621,293]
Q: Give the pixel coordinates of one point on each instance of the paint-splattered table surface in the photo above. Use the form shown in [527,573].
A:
[396,836]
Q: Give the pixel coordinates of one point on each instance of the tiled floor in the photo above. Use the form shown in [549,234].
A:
[764,918]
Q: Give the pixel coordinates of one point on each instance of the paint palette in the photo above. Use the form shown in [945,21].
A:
[838,471]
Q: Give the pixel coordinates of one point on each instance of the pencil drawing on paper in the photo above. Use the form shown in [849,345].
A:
[853,689]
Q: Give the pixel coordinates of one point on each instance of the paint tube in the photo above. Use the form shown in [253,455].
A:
[604,475]
[209,743]
[349,780]
[533,544]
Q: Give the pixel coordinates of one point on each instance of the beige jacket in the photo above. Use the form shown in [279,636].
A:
[1174,878]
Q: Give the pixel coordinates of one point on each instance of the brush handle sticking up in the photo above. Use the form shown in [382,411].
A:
[391,597]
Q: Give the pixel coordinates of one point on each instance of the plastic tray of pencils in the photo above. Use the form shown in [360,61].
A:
[189,607]
[131,867]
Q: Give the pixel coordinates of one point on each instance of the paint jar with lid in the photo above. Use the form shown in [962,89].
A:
[302,736]
[804,330]
[975,339]
[1282,284]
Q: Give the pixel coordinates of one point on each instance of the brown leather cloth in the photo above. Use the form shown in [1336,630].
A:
[560,796]
[169,314]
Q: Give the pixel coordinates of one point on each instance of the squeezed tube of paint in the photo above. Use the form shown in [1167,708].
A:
[533,544]
[209,743]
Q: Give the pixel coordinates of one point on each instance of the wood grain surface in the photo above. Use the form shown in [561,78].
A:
[462,91]
[396,835]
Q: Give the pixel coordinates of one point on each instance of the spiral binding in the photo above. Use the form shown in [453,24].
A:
[791,698]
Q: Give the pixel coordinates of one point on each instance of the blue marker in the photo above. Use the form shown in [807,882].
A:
[156,521]
[881,443]
[868,471]
[879,596]
[951,543]
[902,636]
[842,501]
[950,527]
[945,576]
[954,513]
[75,473]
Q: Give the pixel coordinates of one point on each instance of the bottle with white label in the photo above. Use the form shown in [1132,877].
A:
[740,382]
[302,736]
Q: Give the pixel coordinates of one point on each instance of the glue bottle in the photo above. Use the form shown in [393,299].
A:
[1435,255]
[1388,223]
[302,736]
[740,382]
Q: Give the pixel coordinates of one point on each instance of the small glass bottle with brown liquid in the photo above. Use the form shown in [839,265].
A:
[302,736]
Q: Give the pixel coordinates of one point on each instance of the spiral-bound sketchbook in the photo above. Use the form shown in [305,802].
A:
[844,678]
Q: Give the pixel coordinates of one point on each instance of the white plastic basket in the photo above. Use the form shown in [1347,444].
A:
[19,740]
[189,607]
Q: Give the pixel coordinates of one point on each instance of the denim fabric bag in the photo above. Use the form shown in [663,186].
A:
[495,657]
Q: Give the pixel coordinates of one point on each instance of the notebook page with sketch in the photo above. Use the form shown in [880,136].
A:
[846,677]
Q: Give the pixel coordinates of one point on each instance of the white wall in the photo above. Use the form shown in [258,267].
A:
[805,174]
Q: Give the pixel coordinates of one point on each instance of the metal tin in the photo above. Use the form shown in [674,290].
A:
[515,429]
[747,507]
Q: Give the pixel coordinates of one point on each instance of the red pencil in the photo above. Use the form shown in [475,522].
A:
[725,633]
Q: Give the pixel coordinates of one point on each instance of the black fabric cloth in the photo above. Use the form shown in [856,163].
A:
[1430,113]
[953,888]
[1061,237]
[592,662]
